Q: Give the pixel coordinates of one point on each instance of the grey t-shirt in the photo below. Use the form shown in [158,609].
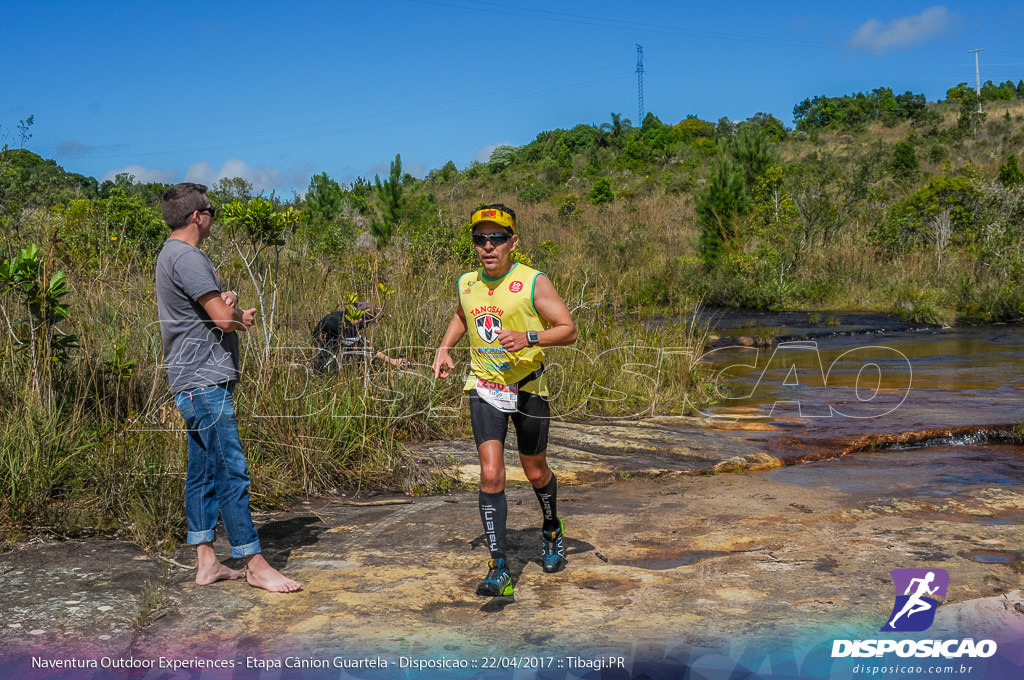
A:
[196,352]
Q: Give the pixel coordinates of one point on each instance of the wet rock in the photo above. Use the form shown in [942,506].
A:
[732,341]
[752,461]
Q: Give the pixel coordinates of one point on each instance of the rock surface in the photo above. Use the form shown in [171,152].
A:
[658,557]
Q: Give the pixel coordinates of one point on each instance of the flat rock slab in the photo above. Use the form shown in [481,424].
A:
[701,561]
[657,563]
[607,450]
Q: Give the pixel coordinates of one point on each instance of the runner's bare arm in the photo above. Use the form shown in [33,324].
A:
[562,329]
[443,363]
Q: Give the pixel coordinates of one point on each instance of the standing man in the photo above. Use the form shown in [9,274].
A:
[510,312]
[199,328]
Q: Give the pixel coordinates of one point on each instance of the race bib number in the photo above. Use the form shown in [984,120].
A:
[502,397]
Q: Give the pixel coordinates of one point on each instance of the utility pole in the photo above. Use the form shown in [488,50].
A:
[640,80]
[977,75]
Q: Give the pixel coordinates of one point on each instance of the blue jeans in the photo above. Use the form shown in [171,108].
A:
[217,476]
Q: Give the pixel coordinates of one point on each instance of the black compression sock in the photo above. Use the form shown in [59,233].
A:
[494,514]
[547,496]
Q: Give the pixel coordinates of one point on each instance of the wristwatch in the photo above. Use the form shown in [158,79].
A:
[532,338]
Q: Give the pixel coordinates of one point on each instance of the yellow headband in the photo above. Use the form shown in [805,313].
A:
[499,217]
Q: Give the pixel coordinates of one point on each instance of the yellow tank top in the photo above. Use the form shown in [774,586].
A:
[492,305]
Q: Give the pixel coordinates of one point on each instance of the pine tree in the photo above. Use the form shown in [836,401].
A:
[753,150]
[391,202]
[324,198]
[718,208]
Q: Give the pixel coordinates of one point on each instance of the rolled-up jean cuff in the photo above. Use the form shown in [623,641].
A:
[246,550]
[198,537]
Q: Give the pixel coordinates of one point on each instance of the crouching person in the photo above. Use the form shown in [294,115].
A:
[338,340]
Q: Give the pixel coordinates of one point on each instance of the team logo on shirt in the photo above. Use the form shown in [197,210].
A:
[515,286]
[488,326]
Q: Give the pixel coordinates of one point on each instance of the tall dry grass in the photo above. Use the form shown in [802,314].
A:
[109,454]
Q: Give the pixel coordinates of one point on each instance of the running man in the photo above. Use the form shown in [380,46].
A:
[916,602]
[510,312]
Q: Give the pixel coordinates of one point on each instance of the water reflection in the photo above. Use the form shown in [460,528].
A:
[854,399]
[887,384]
[940,471]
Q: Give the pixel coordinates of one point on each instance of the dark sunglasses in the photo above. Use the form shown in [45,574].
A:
[497,239]
[211,210]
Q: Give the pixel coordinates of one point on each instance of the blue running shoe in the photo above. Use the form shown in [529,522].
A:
[552,557]
[498,581]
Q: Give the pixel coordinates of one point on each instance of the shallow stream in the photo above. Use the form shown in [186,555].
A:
[874,407]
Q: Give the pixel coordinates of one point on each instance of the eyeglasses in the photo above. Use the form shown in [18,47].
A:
[497,239]
[211,210]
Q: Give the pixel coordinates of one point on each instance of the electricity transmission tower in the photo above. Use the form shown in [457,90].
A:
[640,81]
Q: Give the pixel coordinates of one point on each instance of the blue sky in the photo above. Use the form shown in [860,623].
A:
[277,92]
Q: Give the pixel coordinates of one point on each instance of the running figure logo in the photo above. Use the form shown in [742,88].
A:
[914,609]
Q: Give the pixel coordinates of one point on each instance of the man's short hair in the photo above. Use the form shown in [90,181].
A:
[180,201]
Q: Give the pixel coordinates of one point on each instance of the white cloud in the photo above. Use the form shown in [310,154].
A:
[383,170]
[415,169]
[142,175]
[903,32]
[484,154]
[264,179]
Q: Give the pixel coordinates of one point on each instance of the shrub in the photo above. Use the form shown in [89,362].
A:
[602,192]
[1010,173]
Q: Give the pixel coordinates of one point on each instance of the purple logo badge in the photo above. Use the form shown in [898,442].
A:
[918,592]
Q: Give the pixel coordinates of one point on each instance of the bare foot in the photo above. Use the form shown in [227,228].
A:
[210,570]
[260,574]
[216,572]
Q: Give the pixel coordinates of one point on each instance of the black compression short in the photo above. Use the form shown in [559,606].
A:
[530,421]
